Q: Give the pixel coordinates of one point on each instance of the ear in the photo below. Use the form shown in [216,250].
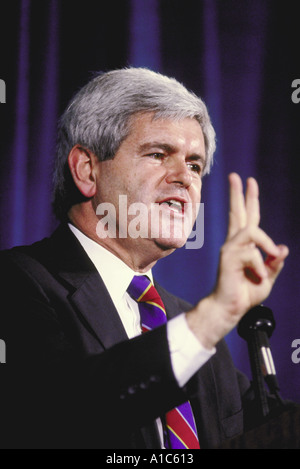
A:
[81,163]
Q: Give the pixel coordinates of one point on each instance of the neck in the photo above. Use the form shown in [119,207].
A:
[139,256]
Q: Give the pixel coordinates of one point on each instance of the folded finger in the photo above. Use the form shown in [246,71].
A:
[256,236]
[253,265]
[275,264]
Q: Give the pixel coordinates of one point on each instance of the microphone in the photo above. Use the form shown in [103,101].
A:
[256,327]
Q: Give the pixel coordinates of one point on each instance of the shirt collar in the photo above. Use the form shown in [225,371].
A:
[115,274]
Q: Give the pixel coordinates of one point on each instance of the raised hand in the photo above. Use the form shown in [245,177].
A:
[245,276]
[249,264]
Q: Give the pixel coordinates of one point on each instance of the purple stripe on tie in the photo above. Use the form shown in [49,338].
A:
[186,412]
[137,287]
[175,442]
[151,315]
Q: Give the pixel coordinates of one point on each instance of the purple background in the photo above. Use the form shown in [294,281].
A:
[241,56]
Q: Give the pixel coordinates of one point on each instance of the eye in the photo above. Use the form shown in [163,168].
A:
[196,168]
[156,156]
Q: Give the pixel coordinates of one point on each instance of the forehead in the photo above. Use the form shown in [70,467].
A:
[145,128]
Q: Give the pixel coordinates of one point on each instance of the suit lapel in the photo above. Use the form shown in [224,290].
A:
[171,305]
[95,305]
[87,291]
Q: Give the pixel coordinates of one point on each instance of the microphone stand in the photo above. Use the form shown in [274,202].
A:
[272,423]
[256,327]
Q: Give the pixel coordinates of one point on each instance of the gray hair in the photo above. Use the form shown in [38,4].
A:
[99,116]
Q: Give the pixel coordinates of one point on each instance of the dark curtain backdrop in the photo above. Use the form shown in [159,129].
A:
[241,56]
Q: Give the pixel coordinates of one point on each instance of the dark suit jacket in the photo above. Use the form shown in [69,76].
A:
[72,377]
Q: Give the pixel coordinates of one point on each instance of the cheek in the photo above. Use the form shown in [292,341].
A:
[134,188]
[195,192]
[118,181]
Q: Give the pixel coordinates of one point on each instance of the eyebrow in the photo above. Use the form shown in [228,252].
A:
[171,149]
[156,144]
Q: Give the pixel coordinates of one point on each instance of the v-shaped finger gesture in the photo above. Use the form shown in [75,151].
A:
[249,264]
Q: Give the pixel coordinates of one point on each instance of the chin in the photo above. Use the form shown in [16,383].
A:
[170,244]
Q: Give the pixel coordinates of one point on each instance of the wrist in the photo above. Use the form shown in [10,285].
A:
[201,323]
[209,321]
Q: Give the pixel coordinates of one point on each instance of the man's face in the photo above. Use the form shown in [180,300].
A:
[160,165]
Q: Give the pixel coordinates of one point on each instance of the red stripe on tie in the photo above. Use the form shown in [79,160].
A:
[182,428]
[151,295]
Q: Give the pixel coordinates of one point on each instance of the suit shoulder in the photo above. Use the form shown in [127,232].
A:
[36,262]
[24,269]
[25,257]
[45,252]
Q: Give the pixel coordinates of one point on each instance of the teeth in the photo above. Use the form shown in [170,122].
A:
[174,204]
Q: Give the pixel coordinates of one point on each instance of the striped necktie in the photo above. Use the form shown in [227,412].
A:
[180,429]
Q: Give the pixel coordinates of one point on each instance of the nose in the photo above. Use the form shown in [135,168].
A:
[179,173]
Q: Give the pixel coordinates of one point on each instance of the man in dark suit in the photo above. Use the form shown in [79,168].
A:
[79,372]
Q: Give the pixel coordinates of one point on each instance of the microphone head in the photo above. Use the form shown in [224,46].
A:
[259,318]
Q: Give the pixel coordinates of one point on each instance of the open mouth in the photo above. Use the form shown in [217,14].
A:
[175,205]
